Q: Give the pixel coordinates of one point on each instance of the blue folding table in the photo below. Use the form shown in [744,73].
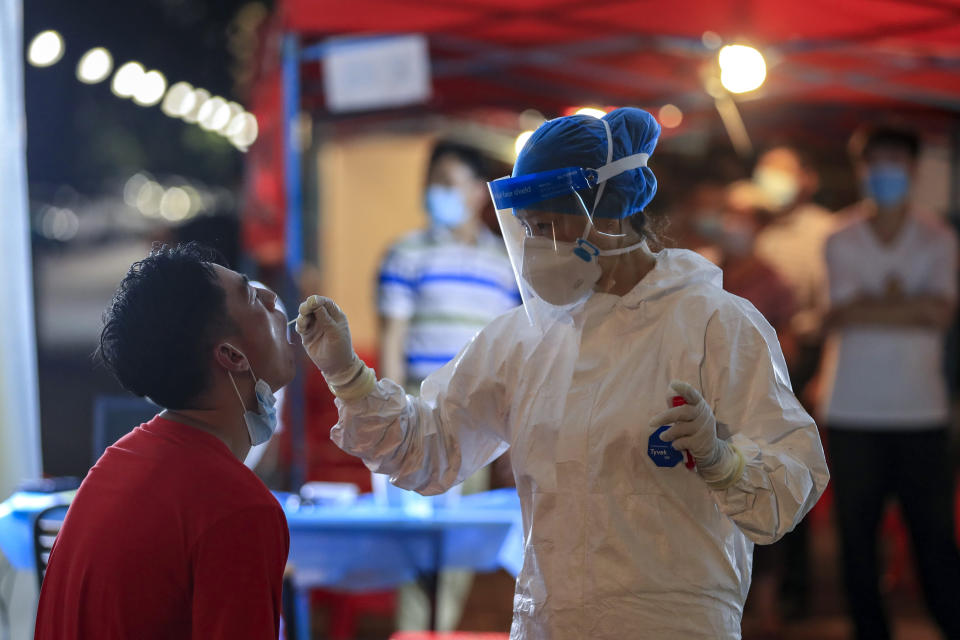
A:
[357,547]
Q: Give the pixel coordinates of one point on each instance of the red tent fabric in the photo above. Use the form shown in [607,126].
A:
[554,54]
[550,54]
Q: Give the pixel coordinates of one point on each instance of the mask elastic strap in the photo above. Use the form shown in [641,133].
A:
[234,382]
[613,168]
[627,163]
[622,250]
[603,183]
[242,404]
[607,252]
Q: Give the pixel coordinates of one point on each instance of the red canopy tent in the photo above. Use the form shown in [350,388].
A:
[553,54]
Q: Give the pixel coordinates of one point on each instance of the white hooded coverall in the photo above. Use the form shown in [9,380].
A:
[615,547]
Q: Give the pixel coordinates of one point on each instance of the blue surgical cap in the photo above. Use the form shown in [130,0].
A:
[581,141]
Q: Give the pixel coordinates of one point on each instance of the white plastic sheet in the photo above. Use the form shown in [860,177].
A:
[19,413]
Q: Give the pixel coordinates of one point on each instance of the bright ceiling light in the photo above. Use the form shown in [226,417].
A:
[670,116]
[521,141]
[179,100]
[94,66]
[742,68]
[46,49]
[150,89]
[591,111]
[127,79]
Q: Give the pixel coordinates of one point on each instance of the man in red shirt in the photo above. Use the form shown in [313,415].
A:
[170,535]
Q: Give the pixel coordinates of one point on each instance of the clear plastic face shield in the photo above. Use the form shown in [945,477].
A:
[547,220]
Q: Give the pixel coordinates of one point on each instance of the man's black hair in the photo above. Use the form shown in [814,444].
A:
[467,155]
[869,138]
[160,328]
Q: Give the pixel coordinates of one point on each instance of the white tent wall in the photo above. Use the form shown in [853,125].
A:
[19,413]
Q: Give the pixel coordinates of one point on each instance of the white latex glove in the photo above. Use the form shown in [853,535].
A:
[695,429]
[325,332]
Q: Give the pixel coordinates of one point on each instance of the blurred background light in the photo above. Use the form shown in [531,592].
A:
[742,68]
[131,189]
[235,109]
[179,101]
[211,111]
[221,117]
[591,111]
[45,49]
[196,200]
[531,119]
[711,40]
[521,141]
[200,97]
[670,116]
[150,89]
[127,79]
[94,66]
[148,198]
[59,224]
[175,204]
[246,130]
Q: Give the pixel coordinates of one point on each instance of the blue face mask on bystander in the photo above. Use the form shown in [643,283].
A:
[887,184]
[446,206]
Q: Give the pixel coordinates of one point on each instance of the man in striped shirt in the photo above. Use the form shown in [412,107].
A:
[437,288]
[440,285]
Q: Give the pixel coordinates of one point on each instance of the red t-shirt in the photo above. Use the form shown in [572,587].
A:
[170,537]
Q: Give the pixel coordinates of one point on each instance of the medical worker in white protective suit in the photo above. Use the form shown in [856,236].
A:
[625,535]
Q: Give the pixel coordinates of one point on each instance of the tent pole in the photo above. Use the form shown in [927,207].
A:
[953,210]
[294,243]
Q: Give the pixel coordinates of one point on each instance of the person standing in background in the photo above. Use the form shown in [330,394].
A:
[792,243]
[437,288]
[746,274]
[440,285]
[893,288]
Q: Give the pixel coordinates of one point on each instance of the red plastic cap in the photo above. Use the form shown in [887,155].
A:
[678,401]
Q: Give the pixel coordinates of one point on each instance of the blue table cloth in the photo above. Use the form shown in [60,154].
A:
[364,547]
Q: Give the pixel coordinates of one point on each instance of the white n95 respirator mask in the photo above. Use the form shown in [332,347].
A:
[561,273]
[564,273]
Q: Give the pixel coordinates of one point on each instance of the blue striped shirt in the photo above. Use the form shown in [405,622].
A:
[447,291]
